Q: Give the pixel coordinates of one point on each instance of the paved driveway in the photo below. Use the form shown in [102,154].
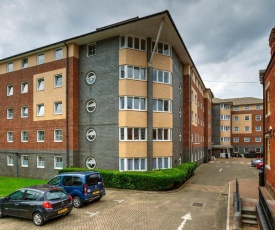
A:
[199,204]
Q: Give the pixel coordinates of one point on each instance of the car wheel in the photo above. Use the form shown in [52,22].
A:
[77,202]
[38,219]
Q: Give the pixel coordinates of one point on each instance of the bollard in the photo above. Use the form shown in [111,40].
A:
[237,225]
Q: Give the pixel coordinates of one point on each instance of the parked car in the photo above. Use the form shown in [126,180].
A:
[82,186]
[260,164]
[254,162]
[39,203]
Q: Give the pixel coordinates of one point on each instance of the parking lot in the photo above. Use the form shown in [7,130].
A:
[199,204]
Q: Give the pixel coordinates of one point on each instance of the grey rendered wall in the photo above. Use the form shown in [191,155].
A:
[216,124]
[104,120]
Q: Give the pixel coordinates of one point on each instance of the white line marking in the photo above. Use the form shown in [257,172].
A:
[92,214]
[185,218]
[220,170]
[119,201]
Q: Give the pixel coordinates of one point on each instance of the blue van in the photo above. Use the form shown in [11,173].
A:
[83,186]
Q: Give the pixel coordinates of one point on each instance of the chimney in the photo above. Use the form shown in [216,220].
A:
[272,41]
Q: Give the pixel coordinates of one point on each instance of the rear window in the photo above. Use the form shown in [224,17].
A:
[93,179]
[55,194]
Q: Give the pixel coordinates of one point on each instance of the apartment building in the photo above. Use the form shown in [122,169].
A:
[116,98]
[237,126]
[267,189]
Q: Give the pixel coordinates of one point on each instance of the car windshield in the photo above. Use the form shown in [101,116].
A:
[55,194]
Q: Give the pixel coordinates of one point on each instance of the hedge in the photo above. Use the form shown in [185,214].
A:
[156,180]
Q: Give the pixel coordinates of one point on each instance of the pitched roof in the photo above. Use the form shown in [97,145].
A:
[238,101]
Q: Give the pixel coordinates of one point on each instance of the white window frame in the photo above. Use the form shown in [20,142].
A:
[40,162]
[24,111]
[258,139]
[235,139]
[125,40]
[9,67]
[258,128]
[9,90]
[163,101]
[246,139]
[39,85]
[24,87]
[246,128]
[162,48]
[258,150]
[225,117]
[57,136]
[132,72]
[10,113]
[93,50]
[126,132]
[25,63]
[236,118]
[245,117]
[133,103]
[40,58]
[162,132]
[236,129]
[159,162]
[258,107]
[91,78]
[57,163]
[24,137]
[9,160]
[258,117]
[132,164]
[24,161]
[91,106]
[40,135]
[9,136]
[57,109]
[246,107]
[58,83]
[236,150]
[91,135]
[58,53]
[236,108]
[40,110]
[159,76]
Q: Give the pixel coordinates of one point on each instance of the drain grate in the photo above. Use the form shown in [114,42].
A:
[197,205]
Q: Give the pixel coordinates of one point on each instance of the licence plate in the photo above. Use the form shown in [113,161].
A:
[96,192]
[62,210]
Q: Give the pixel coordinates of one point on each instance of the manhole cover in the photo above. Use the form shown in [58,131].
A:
[197,205]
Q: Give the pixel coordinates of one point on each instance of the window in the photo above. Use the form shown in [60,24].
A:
[236,150]
[225,117]
[24,136]
[91,48]
[246,107]
[132,103]
[161,105]
[57,80]
[24,161]
[133,134]
[162,134]
[24,87]
[24,111]
[40,59]
[10,67]
[258,117]
[246,128]
[225,139]
[257,139]
[58,135]
[180,135]
[132,72]
[235,139]
[246,150]
[225,106]
[10,90]
[40,110]
[91,106]
[132,42]
[25,63]
[9,160]
[90,78]
[161,76]
[9,136]
[40,162]
[90,162]
[225,128]
[246,118]
[258,107]
[58,108]
[236,118]
[58,54]
[91,135]
[40,84]
[161,48]
[247,139]
[58,162]
[236,129]
[258,150]
[9,113]
[133,164]
[267,98]
[162,162]
[40,135]
[236,108]
[258,128]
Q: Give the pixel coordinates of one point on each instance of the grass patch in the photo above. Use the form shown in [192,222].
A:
[9,184]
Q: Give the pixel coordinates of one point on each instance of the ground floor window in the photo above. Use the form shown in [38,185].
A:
[58,162]
[40,162]
[162,162]
[10,160]
[236,150]
[258,150]
[133,164]
[24,161]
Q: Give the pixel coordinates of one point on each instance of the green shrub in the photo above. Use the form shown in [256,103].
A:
[156,180]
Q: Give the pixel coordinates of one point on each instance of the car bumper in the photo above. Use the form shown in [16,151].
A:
[50,214]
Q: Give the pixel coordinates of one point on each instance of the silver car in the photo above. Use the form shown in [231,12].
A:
[254,162]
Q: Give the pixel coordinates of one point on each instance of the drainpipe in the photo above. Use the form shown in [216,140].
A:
[67,109]
[190,115]
[262,80]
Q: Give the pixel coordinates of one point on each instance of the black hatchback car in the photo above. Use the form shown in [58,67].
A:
[39,203]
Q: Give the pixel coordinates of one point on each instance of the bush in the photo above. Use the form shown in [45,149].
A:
[156,180]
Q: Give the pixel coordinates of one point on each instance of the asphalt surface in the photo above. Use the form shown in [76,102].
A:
[202,203]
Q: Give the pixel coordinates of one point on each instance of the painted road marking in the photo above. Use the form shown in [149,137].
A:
[119,201]
[185,218]
[92,214]
[220,170]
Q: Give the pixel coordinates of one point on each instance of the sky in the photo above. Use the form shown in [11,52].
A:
[227,40]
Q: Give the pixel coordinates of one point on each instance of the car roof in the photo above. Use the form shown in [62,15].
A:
[80,173]
[43,187]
